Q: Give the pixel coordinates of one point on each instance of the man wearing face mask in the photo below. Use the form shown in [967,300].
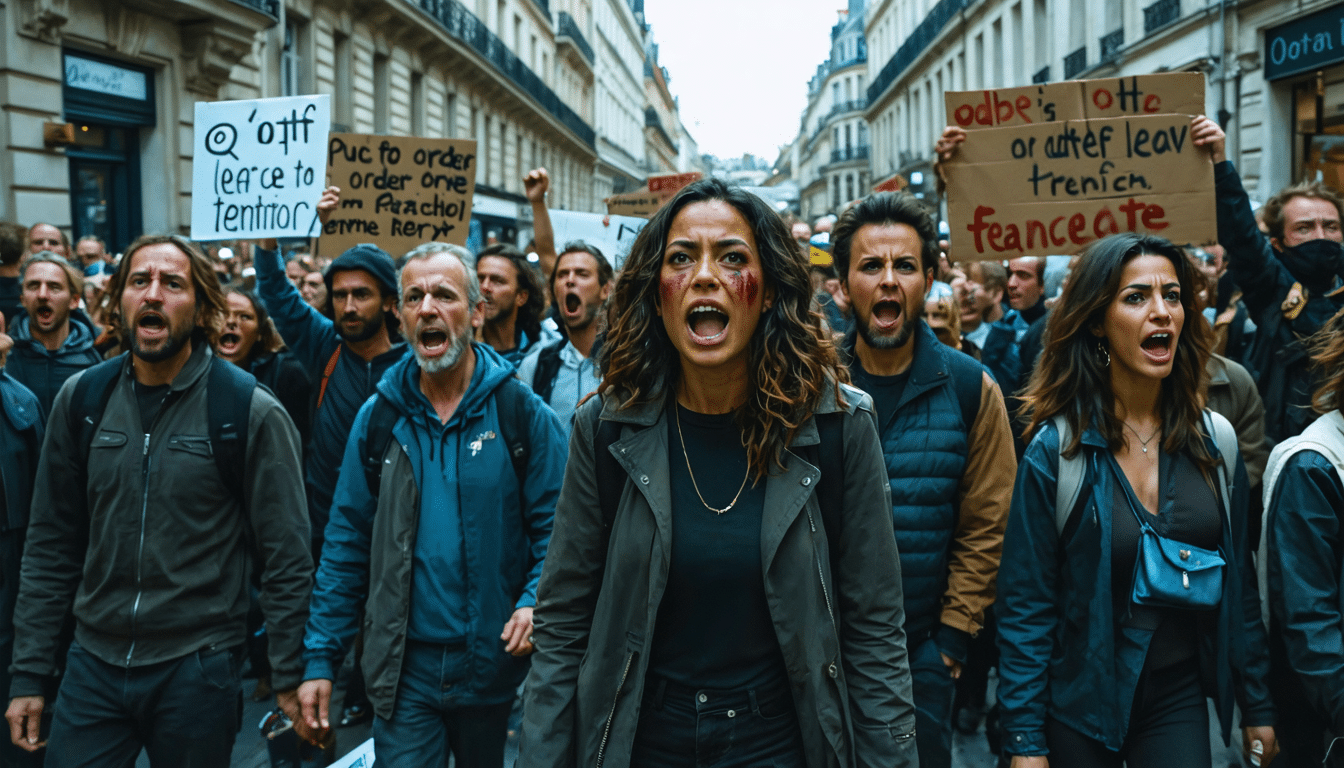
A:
[1290,279]
[1290,282]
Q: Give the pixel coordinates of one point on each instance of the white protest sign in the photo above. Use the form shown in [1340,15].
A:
[359,757]
[259,167]
[613,239]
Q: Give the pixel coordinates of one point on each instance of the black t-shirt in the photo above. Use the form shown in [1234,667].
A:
[151,401]
[886,391]
[713,628]
[1188,512]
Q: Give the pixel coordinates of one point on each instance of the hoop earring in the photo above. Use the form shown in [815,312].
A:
[1104,354]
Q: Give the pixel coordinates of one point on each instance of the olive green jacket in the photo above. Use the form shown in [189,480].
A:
[839,624]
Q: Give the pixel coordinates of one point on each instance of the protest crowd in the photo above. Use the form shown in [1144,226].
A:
[757,492]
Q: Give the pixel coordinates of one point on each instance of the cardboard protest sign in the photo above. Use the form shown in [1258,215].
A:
[1055,187]
[1159,94]
[399,191]
[257,167]
[613,239]
[638,204]
[669,183]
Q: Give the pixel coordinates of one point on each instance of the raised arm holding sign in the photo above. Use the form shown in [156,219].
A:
[1074,162]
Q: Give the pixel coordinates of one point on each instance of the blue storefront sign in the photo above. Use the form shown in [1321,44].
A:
[1304,44]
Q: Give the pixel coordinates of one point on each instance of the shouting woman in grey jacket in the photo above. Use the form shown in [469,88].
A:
[722,586]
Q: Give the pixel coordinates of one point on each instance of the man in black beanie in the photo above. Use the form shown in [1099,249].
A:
[345,348]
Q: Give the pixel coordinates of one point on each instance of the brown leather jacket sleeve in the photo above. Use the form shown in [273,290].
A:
[983,495]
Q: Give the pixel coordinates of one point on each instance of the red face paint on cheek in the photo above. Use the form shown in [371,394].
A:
[669,286]
[746,285]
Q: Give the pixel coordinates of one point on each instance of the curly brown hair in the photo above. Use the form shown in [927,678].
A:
[789,357]
[1071,377]
[1327,357]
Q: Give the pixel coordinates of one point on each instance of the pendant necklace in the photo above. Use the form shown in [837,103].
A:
[691,472]
[1144,443]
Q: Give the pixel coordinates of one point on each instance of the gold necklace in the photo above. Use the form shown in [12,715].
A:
[1143,442]
[691,472]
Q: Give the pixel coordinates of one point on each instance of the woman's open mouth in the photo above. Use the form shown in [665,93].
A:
[707,324]
[1159,347]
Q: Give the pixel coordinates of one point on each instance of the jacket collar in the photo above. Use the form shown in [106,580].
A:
[195,367]
[647,412]
[1217,371]
[928,368]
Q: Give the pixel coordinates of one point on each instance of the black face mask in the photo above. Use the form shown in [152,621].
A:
[1314,263]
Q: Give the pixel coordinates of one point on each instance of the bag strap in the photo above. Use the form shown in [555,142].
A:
[511,400]
[1069,482]
[1225,437]
[228,405]
[326,374]
[377,438]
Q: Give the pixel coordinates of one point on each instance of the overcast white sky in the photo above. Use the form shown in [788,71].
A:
[740,67]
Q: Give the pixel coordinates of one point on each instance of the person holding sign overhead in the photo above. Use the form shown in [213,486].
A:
[1127,589]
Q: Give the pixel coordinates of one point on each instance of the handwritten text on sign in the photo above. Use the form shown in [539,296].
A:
[1055,187]
[1162,94]
[399,192]
[257,167]
[614,238]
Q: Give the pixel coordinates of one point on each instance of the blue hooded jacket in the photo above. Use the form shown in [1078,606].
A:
[374,549]
[44,370]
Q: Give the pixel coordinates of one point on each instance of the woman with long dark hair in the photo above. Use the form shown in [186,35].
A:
[248,339]
[1106,656]
[722,586]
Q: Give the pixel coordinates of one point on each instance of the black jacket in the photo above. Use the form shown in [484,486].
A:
[146,544]
[1304,530]
[1278,356]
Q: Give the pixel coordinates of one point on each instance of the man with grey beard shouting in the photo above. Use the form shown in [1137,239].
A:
[458,464]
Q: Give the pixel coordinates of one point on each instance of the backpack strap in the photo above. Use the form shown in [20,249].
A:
[548,365]
[92,391]
[611,477]
[1225,437]
[326,375]
[228,405]
[1069,478]
[376,440]
[968,393]
[511,400]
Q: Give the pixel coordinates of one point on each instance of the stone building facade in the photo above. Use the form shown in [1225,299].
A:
[518,76]
[1274,71]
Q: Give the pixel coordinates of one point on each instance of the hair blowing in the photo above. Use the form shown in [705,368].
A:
[1071,377]
[789,360]
[1327,356]
[210,303]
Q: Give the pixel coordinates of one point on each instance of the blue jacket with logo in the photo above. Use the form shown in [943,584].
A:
[371,537]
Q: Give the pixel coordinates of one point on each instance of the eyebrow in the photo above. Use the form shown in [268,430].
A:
[724,243]
[1149,287]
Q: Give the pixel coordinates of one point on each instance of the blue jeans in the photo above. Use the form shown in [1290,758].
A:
[682,727]
[185,713]
[429,721]
[935,692]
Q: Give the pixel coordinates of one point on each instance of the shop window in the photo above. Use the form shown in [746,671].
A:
[1318,128]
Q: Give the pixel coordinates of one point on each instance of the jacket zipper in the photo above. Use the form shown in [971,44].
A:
[140,549]
[606,732]
[820,574]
